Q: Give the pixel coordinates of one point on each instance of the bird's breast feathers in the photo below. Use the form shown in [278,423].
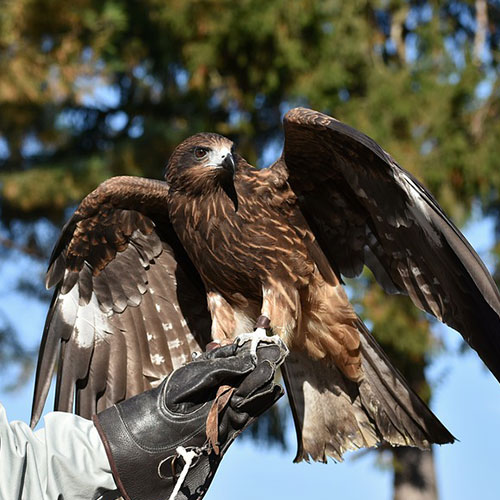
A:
[243,248]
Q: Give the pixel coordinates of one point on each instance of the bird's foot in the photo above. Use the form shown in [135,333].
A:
[260,335]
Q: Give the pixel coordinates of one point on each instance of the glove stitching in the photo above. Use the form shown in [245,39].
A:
[167,412]
[160,448]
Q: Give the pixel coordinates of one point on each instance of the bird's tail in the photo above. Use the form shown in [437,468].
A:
[333,414]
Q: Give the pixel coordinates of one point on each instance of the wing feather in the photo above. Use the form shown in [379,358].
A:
[128,305]
[366,210]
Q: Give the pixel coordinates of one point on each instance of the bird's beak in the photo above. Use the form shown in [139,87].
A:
[229,167]
[228,164]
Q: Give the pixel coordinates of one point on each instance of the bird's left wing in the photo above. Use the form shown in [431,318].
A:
[128,307]
[365,209]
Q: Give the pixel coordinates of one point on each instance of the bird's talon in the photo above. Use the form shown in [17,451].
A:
[259,335]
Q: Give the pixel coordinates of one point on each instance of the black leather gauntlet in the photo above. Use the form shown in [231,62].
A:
[177,433]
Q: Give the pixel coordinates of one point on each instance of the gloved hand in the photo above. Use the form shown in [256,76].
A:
[174,436]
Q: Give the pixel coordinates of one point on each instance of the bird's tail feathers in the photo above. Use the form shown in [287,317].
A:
[333,414]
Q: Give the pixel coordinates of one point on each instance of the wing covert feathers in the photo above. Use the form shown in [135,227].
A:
[333,414]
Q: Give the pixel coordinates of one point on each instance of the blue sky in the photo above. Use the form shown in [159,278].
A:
[466,399]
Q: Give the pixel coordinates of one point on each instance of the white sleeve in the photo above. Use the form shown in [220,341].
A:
[65,460]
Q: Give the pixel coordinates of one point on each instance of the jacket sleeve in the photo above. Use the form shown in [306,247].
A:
[65,460]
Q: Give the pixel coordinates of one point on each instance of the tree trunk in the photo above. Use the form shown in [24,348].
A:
[481,30]
[414,474]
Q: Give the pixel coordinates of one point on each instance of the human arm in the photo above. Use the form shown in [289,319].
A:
[64,460]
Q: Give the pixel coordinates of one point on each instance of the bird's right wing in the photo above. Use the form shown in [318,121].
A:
[128,307]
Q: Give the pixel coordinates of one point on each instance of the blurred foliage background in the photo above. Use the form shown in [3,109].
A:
[91,89]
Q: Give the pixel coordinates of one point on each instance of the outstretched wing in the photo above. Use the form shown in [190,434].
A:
[365,209]
[129,306]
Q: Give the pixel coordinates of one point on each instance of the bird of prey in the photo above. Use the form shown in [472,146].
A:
[146,272]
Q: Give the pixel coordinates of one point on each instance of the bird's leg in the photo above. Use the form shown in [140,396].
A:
[262,325]
[224,325]
[223,321]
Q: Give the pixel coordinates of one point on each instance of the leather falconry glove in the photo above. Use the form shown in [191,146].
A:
[167,443]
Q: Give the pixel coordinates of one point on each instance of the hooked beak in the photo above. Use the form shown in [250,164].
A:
[228,164]
[228,185]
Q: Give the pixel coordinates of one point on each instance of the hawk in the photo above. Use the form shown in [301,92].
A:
[146,272]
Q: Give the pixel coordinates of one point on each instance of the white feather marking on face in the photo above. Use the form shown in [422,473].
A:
[217,155]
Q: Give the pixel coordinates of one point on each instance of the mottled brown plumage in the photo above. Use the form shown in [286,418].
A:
[259,258]
[144,267]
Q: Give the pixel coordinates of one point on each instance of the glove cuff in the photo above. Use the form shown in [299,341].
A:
[109,418]
[144,462]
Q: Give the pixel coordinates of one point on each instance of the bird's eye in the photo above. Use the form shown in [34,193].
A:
[200,153]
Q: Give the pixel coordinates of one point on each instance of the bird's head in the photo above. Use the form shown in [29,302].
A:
[201,164]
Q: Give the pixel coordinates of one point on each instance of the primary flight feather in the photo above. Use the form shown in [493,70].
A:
[147,272]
